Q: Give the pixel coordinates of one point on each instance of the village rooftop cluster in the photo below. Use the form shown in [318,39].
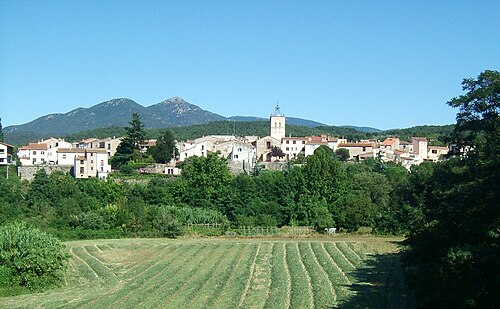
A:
[89,157]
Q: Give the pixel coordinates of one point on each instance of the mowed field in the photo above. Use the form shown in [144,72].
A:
[353,272]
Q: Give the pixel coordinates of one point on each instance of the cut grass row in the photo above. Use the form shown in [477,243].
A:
[210,274]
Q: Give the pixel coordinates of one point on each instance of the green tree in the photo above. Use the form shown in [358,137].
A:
[165,148]
[206,179]
[134,136]
[342,154]
[452,257]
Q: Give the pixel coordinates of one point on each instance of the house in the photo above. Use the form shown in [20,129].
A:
[6,151]
[293,146]
[360,151]
[390,143]
[33,154]
[147,144]
[436,153]
[264,146]
[199,147]
[91,163]
[419,146]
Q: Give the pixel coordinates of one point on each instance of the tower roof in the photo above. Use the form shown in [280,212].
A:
[277,111]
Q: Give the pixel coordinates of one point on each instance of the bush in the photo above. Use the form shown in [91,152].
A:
[166,225]
[30,257]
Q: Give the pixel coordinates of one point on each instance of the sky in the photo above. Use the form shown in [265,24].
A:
[383,64]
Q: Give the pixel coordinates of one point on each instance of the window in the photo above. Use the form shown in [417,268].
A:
[109,146]
[303,142]
[81,161]
[239,149]
[102,162]
[288,142]
[2,150]
[64,156]
[287,148]
[294,142]
[268,144]
[91,168]
[42,152]
[82,170]
[91,161]
[202,147]
[434,151]
[91,154]
[235,156]
[102,144]
[364,148]
[34,152]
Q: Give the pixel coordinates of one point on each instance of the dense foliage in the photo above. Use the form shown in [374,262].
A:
[29,258]
[454,247]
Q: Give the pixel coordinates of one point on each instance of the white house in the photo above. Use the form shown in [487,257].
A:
[6,151]
[436,153]
[237,151]
[360,150]
[33,154]
[293,146]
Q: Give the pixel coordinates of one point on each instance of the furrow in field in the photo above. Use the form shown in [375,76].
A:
[250,277]
[258,292]
[302,295]
[350,254]
[325,275]
[174,279]
[128,287]
[215,286]
[195,286]
[280,280]
[319,282]
[337,261]
[101,271]
[228,296]
[148,282]
[87,271]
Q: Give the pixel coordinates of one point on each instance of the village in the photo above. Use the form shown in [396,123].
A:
[90,157]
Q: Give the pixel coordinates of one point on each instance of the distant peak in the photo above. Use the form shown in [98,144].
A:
[176,100]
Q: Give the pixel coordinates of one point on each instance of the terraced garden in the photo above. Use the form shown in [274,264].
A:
[226,273]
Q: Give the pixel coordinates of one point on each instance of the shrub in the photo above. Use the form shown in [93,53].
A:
[30,257]
[166,225]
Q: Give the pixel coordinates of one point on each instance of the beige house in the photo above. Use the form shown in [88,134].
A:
[91,163]
[419,146]
[436,153]
[263,148]
[360,150]
[6,151]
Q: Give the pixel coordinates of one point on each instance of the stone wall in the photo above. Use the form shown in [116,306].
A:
[28,172]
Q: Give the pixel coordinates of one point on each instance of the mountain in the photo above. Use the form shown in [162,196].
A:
[175,112]
[289,120]
[363,129]
[116,112]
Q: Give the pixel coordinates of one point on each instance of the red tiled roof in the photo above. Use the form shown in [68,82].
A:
[389,141]
[35,146]
[355,145]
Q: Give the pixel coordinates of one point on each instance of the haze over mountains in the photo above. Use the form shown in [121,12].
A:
[173,112]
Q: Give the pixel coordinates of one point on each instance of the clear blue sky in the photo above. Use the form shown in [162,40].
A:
[385,64]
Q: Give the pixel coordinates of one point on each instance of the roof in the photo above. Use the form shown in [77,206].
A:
[316,143]
[5,144]
[35,146]
[79,150]
[438,147]
[88,140]
[355,145]
[294,138]
[420,139]
[390,141]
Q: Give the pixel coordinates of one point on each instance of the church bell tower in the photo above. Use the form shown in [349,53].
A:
[277,124]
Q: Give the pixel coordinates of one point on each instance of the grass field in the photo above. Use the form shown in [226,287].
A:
[351,272]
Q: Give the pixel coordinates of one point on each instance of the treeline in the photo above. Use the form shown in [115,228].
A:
[324,192]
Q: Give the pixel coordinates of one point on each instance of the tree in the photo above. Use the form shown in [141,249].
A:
[134,136]
[165,149]
[277,152]
[342,154]
[452,257]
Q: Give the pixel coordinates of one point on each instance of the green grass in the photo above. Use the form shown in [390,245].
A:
[340,272]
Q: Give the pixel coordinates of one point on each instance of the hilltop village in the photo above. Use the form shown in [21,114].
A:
[90,157]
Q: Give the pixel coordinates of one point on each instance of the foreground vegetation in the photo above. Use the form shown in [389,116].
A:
[227,273]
